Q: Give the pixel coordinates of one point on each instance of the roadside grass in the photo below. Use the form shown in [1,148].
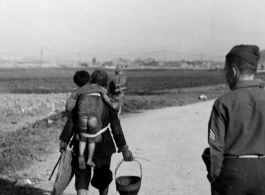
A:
[172,97]
[18,149]
[8,187]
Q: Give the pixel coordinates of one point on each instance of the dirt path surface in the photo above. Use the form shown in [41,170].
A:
[172,139]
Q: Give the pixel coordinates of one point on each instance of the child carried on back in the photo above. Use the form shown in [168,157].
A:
[89,107]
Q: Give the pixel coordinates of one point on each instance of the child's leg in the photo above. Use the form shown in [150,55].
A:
[91,150]
[82,142]
[92,125]
[81,158]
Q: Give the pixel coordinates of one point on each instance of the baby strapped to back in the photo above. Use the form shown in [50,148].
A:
[89,107]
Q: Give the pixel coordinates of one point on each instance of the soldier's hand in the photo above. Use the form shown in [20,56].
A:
[127,155]
[63,146]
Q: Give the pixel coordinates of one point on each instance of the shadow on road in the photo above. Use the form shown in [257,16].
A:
[9,188]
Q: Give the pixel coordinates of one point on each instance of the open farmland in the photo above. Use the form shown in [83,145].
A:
[59,80]
[149,81]
[54,80]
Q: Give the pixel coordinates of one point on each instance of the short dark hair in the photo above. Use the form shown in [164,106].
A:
[81,78]
[100,77]
[243,66]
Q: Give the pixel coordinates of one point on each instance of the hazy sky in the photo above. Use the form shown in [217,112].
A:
[207,27]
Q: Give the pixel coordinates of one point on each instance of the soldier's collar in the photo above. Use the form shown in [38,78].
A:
[249,83]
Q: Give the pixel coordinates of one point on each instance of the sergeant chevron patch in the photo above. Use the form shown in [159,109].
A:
[212,135]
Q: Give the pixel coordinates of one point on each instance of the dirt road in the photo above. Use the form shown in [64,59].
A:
[172,139]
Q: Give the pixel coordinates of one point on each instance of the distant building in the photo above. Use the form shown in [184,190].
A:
[121,63]
[150,62]
[173,64]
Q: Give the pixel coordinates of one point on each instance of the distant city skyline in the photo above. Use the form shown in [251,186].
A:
[201,29]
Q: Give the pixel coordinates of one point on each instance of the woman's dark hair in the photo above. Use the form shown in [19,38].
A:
[81,78]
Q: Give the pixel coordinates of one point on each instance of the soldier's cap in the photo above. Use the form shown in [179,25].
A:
[248,53]
[118,70]
[99,77]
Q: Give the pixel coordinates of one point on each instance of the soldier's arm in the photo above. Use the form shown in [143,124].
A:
[111,87]
[216,136]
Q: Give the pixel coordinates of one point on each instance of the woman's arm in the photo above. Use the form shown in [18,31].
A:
[71,102]
[118,136]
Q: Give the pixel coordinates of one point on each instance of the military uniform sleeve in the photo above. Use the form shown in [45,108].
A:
[111,87]
[216,135]
[117,131]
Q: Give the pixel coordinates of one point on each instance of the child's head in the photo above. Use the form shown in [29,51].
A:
[81,78]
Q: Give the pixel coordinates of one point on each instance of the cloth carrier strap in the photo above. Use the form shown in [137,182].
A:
[245,156]
[93,135]
[94,94]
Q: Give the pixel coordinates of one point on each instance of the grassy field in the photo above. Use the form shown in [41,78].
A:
[54,80]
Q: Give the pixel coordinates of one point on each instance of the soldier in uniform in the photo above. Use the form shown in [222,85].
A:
[117,85]
[236,135]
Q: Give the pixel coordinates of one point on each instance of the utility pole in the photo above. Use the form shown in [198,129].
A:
[79,57]
[41,56]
